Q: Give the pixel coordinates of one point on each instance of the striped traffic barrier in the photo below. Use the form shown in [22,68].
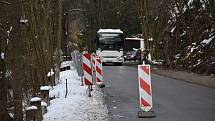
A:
[145,91]
[99,73]
[88,80]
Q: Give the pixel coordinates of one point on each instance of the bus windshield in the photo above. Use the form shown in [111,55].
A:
[110,41]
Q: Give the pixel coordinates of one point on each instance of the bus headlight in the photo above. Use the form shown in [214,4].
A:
[120,58]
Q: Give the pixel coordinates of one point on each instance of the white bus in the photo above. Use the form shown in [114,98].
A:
[110,45]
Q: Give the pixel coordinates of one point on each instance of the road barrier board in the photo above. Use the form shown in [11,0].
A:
[145,90]
[99,73]
[87,68]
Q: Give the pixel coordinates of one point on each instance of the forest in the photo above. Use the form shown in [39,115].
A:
[180,34]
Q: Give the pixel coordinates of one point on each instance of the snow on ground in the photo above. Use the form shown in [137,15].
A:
[109,31]
[207,41]
[77,106]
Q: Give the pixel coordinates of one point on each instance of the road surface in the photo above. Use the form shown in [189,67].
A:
[173,100]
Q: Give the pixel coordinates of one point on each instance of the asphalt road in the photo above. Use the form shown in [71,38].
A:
[173,100]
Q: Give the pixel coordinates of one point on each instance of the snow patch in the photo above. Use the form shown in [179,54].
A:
[44,104]
[184,9]
[207,41]
[43,88]
[194,43]
[110,31]
[193,48]
[190,2]
[50,73]
[176,9]
[31,108]
[177,56]
[23,21]
[2,55]
[198,62]
[173,29]
[203,4]
[11,115]
[184,33]
[35,99]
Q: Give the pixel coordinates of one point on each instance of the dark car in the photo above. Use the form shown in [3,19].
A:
[132,55]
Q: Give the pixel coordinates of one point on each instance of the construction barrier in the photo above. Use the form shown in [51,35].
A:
[145,91]
[99,73]
[87,68]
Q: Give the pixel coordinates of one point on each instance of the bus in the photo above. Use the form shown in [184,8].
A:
[110,45]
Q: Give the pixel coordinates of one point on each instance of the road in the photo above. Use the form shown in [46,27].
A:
[173,100]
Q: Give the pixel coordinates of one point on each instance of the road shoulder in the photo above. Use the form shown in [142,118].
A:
[207,81]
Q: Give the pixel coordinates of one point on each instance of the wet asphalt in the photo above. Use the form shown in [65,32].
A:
[173,100]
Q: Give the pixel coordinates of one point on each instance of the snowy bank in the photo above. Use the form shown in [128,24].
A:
[77,106]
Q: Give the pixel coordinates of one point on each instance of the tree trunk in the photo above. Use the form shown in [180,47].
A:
[3,93]
[58,52]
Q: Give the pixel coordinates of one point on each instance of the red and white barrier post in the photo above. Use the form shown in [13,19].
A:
[99,72]
[87,68]
[145,91]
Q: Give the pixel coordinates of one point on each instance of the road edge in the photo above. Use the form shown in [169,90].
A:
[207,81]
